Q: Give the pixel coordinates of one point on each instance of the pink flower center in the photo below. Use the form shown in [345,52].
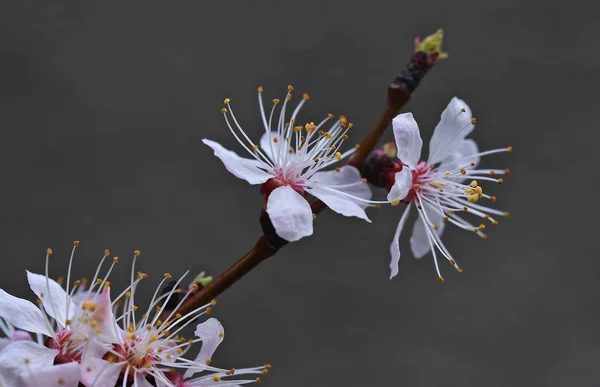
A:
[417,178]
[63,343]
[281,179]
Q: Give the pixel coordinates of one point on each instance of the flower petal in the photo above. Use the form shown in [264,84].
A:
[53,296]
[339,203]
[63,375]
[402,185]
[268,146]
[453,127]
[346,175]
[408,139]
[464,155]
[211,332]
[419,242]
[23,314]
[94,370]
[245,169]
[290,214]
[14,356]
[395,246]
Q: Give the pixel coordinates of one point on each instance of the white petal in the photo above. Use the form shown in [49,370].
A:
[23,314]
[245,169]
[140,380]
[419,243]
[211,332]
[53,296]
[453,127]
[10,378]
[267,145]
[98,372]
[395,246]
[3,343]
[408,139]
[402,185]
[346,175]
[339,203]
[63,375]
[290,214]
[103,315]
[13,356]
[465,154]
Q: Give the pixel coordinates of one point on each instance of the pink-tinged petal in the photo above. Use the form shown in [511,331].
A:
[245,169]
[62,375]
[23,314]
[3,343]
[346,175]
[455,124]
[103,315]
[21,335]
[402,185]
[53,296]
[408,139]
[140,380]
[290,214]
[395,246]
[10,378]
[419,242]
[21,356]
[212,333]
[339,203]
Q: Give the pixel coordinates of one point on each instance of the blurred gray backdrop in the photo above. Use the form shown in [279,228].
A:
[103,106]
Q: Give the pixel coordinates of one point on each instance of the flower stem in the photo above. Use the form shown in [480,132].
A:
[398,93]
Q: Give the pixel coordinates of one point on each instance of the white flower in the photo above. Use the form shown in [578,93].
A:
[290,160]
[436,185]
[68,319]
[147,349]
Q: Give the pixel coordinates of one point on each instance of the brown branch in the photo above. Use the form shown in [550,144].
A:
[398,93]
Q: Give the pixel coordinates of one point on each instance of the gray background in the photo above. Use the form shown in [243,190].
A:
[103,106]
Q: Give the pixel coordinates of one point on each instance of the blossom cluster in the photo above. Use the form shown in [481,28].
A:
[82,335]
[290,162]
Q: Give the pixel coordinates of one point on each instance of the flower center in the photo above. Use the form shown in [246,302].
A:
[418,175]
[66,345]
[281,179]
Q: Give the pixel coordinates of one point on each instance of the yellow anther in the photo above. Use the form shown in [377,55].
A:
[230,372]
[507,171]
[338,155]
[115,259]
[495,221]
[302,138]
[60,280]
[337,169]
[264,371]
[221,335]
[332,147]
[479,191]
[465,209]
[49,251]
[141,275]
[316,159]
[288,97]
[500,181]
[258,380]
[327,135]
[98,281]
[472,164]
[208,310]
[310,127]
[435,227]
[350,125]
[441,279]
[343,119]
[459,270]
[275,139]
[364,179]
[491,173]
[297,128]
[345,137]
[267,366]
[509,149]
[416,186]
[305,96]
[216,378]
[299,147]
[472,198]
[128,294]
[254,147]
[260,89]
[506,213]
[194,287]
[68,322]
[107,252]
[136,252]
[290,88]
[473,121]
[76,283]
[330,116]
[473,183]
[463,110]
[446,218]
[482,227]
[276,101]
[452,262]
[208,362]
[75,243]
[492,199]
[130,336]
[167,275]
[213,302]
[357,146]
[395,202]
[463,171]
